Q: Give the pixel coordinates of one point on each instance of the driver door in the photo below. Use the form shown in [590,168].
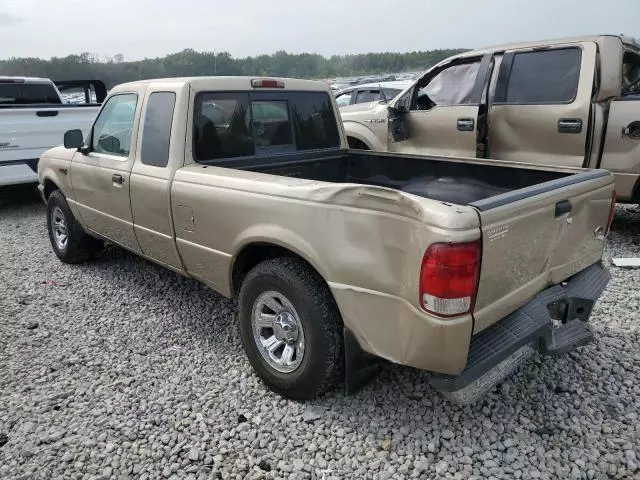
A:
[100,177]
[442,117]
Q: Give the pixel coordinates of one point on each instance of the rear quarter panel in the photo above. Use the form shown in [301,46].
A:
[368,241]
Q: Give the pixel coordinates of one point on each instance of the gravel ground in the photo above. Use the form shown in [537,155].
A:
[120,369]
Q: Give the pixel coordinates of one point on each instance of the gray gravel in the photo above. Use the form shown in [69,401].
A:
[120,369]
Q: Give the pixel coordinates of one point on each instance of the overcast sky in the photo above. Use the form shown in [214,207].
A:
[151,28]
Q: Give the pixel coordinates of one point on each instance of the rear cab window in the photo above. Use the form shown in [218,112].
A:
[231,125]
[28,94]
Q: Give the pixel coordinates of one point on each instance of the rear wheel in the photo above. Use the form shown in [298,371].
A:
[291,329]
[69,241]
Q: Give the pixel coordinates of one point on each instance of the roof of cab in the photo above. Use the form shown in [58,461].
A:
[599,39]
[231,83]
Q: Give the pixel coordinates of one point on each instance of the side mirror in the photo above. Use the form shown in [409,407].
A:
[401,105]
[397,109]
[73,139]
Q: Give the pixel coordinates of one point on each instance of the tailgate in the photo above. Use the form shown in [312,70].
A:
[539,236]
[25,133]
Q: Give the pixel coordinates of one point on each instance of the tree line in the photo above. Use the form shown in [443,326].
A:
[191,63]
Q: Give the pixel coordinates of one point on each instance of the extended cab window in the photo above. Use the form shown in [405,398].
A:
[27,93]
[221,127]
[549,76]
[451,86]
[113,127]
[156,132]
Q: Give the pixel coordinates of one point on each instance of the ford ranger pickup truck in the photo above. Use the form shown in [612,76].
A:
[34,115]
[572,102]
[337,258]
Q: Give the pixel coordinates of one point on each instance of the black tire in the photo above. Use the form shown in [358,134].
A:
[356,144]
[322,365]
[79,246]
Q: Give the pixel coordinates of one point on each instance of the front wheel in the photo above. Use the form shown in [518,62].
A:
[69,241]
[291,329]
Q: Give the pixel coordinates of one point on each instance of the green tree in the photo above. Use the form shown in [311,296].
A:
[189,62]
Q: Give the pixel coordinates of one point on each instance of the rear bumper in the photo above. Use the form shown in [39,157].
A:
[390,328]
[554,323]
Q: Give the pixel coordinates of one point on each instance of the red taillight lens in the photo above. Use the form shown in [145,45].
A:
[449,278]
[612,211]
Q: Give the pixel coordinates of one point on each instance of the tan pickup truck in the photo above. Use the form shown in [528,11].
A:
[336,257]
[571,102]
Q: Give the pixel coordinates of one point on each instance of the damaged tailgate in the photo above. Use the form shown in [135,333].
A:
[539,236]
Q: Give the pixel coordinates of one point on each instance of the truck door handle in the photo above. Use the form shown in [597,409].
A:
[117,178]
[47,113]
[466,124]
[563,207]
[570,125]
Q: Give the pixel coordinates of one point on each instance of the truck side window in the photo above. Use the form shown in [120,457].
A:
[366,96]
[544,77]
[113,127]
[156,132]
[452,86]
[344,99]
[27,94]
[220,128]
[391,93]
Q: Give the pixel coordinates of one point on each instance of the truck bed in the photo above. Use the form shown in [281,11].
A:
[447,180]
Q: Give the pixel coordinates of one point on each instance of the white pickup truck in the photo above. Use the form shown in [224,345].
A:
[34,114]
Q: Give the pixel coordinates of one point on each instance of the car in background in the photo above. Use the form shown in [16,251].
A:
[370,92]
[34,115]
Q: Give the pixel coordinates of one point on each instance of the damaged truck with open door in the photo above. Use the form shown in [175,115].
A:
[572,102]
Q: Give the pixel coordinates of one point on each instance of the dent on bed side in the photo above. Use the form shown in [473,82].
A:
[389,200]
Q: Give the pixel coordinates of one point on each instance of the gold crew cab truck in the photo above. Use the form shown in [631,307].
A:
[572,102]
[337,258]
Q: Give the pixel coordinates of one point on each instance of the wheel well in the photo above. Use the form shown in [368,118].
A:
[49,188]
[357,144]
[253,254]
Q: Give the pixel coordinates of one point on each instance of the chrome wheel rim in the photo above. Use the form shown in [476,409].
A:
[59,227]
[277,331]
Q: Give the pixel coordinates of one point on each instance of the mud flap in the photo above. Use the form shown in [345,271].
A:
[360,367]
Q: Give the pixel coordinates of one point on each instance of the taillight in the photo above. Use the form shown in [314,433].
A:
[612,212]
[449,278]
